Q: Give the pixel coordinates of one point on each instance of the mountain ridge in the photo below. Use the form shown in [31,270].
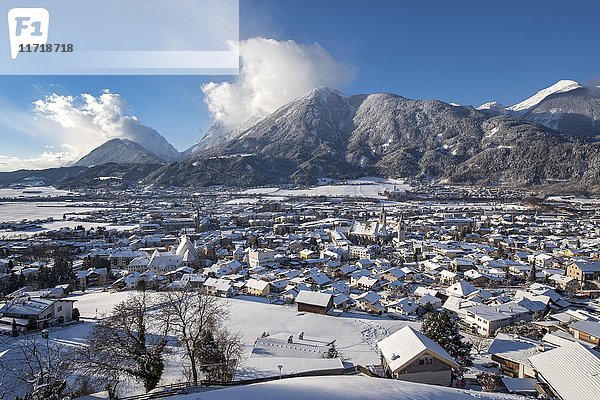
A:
[327,134]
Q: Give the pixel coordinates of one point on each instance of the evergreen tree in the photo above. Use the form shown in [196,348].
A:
[15,329]
[441,328]
[209,355]
[532,273]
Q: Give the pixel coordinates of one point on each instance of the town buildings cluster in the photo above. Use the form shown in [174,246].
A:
[495,266]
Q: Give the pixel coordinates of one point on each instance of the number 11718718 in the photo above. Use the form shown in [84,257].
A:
[46,48]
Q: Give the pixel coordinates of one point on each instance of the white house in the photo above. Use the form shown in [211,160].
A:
[411,356]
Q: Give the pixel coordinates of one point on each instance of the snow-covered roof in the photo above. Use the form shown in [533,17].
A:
[313,298]
[256,284]
[519,385]
[340,388]
[573,371]
[403,346]
[461,289]
[517,349]
[589,327]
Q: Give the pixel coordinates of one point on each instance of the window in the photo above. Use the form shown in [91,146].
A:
[429,360]
[422,361]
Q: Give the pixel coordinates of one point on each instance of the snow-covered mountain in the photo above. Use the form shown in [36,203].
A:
[149,139]
[574,112]
[493,107]
[567,107]
[561,86]
[119,151]
[219,133]
[522,107]
[327,134]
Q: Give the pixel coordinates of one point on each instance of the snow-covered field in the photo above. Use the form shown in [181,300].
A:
[55,225]
[368,187]
[44,192]
[38,210]
[355,335]
[341,388]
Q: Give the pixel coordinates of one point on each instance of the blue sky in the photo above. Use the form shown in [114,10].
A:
[467,52]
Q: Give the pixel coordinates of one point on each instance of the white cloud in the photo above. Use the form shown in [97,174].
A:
[272,73]
[88,121]
[69,127]
[48,159]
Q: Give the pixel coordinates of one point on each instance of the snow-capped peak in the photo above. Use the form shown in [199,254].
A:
[561,86]
[491,105]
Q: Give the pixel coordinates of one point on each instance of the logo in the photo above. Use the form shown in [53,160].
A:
[27,26]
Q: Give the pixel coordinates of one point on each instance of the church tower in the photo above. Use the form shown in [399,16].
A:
[382,217]
[401,229]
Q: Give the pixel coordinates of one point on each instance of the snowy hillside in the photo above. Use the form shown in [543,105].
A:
[492,106]
[559,87]
[120,151]
[341,388]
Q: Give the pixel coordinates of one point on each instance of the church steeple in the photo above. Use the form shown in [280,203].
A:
[382,217]
[401,228]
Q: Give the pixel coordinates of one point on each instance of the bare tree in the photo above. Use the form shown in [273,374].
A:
[490,382]
[191,315]
[131,340]
[34,368]
[480,344]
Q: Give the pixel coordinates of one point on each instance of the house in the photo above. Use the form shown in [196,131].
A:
[429,299]
[512,354]
[461,289]
[448,277]
[362,253]
[588,331]
[569,372]
[393,274]
[163,262]
[92,277]
[541,260]
[584,271]
[462,264]
[476,278]
[261,258]
[367,283]
[256,287]
[193,281]
[369,302]
[484,320]
[411,356]
[563,282]
[314,302]
[38,313]
[220,287]
[308,254]
[404,306]
[122,257]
